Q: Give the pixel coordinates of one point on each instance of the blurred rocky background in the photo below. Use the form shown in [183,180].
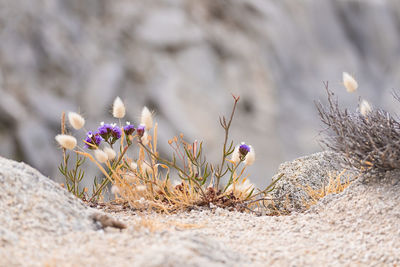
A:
[183,59]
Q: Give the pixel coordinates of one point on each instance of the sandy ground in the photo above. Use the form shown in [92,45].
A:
[359,227]
[43,225]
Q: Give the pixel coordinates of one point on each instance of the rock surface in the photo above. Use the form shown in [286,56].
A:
[313,171]
[356,227]
[183,59]
[33,205]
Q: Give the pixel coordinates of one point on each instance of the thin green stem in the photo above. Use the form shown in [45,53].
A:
[226,127]
[173,165]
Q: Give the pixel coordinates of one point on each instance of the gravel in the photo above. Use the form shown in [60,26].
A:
[356,227]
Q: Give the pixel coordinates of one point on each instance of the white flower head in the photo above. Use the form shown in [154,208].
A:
[118,108]
[111,154]
[349,82]
[236,155]
[100,155]
[66,141]
[76,120]
[365,107]
[250,157]
[141,188]
[147,119]
[145,138]
[146,168]
[114,189]
[244,187]
[133,165]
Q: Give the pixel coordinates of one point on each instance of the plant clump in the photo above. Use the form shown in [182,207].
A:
[369,138]
[148,181]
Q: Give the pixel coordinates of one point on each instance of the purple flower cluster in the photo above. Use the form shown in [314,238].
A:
[129,129]
[140,130]
[105,131]
[116,132]
[93,140]
[110,133]
[243,150]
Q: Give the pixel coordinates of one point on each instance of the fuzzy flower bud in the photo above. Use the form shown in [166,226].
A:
[349,82]
[365,107]
[141,188]
[111,154]
[118,108]
[133,165]
[250,157]
[242,188]
[145,139]
[147,119]
[100,155]
[76,120]
[66,141]
[140,130]
[146,168]
[114,189]
[236,155]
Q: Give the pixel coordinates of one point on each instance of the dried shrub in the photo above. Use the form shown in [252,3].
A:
[369,142]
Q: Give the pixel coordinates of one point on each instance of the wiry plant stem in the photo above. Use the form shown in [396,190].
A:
[173,165]
[220,169]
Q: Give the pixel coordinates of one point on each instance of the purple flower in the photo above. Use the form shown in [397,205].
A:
[129,129]
[105,131]
[116,132]
[140,130]
[94,139]
[244,149]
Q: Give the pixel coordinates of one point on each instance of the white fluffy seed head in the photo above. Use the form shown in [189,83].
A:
[145,139]
[365,107]
[133,165]
[236,155]
[250,157]
[100,155]
[146,168]
[66,141]
[349,82]
[244,187]
[118,108]
[76,120]
[111,154]
[141,188]
[114,189]
[147,118]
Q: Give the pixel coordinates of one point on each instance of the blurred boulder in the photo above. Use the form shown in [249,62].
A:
[183,59]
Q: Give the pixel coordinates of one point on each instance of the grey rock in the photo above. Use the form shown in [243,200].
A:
[314,171]
[31,204]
